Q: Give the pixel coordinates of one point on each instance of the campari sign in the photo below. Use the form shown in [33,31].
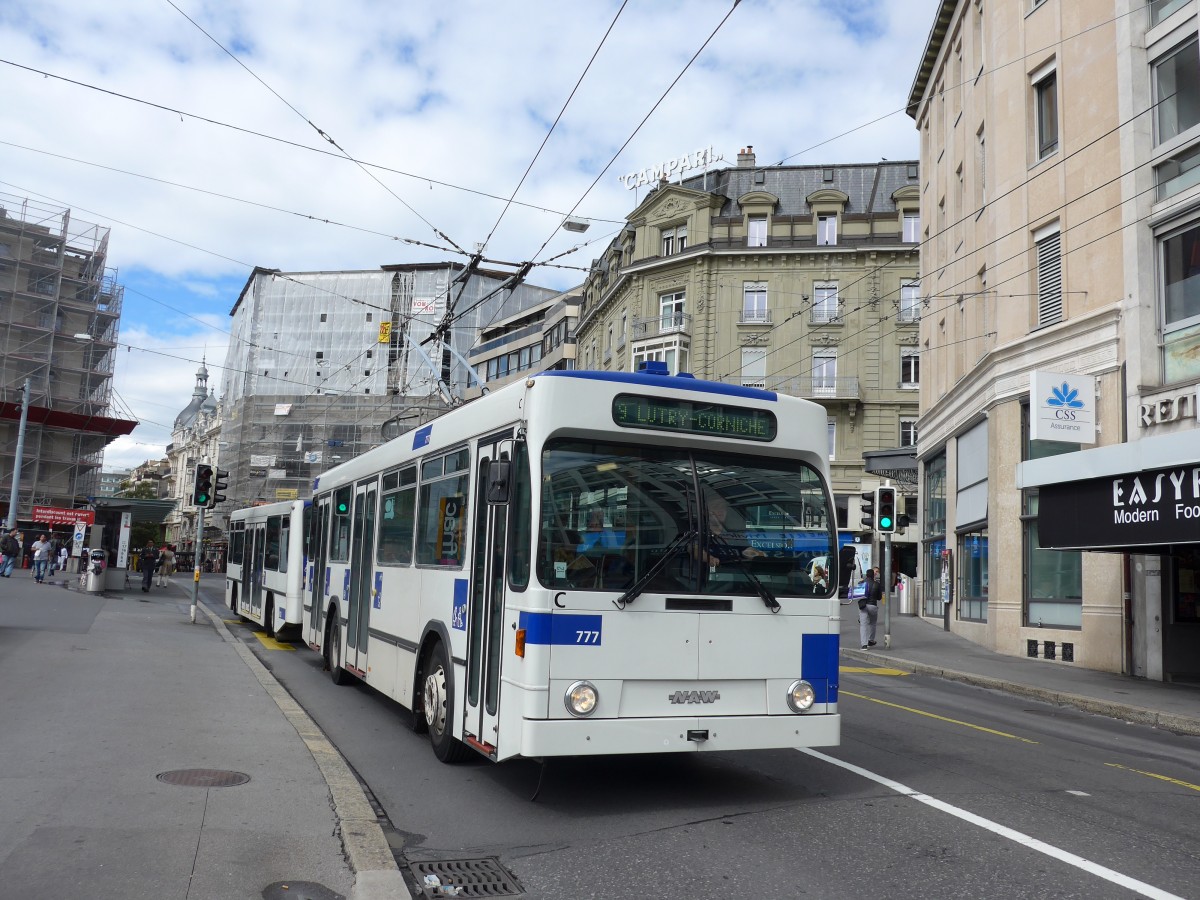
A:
[1062,407]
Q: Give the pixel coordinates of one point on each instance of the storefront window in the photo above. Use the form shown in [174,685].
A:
[1187,584]
[934,531]
[973,575]
[1053,578]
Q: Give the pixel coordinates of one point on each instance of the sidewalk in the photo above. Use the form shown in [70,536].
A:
[922,647]
[147,756]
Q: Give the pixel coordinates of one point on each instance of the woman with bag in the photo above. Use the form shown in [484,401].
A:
[166,564]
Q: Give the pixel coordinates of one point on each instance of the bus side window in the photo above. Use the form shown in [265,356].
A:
[443,511]
[339,544]
[397,519]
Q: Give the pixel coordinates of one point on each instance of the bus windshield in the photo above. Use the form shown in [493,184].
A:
[610,512]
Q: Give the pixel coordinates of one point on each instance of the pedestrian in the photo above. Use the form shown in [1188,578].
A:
[166,565]
[11,551]
[868,609]
[147,562]
[41,558]
[63,555]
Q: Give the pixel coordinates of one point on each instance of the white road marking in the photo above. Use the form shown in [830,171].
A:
[1025,840]
[1079,793]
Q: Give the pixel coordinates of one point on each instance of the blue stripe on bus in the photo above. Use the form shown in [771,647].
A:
[678,382]
[561,628]
[819,665]
[458,616]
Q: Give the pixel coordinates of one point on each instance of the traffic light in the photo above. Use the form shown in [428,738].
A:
[885,509]
[220,482]
[203,491]
[868,510]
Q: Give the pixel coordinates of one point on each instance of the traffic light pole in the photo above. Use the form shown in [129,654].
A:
[886,575]
[196,560]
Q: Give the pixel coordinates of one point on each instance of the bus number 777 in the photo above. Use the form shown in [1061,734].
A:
[587,637]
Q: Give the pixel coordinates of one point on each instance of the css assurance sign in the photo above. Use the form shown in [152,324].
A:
[1063,407]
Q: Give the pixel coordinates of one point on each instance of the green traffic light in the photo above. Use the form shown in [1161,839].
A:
[885,522]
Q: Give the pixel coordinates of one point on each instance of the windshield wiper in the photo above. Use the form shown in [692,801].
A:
[735,556]
[638,586]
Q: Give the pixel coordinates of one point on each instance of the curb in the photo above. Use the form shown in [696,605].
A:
[1136,714]
[376,875]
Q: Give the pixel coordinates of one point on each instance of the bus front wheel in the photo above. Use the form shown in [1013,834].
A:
[437,699]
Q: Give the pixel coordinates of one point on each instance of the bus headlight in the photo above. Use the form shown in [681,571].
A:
[801,696]
[581,699]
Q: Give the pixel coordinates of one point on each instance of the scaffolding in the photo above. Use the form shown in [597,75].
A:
[60,312]
[323,366]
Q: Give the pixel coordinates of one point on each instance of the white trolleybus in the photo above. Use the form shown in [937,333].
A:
[264,572]
[589,563]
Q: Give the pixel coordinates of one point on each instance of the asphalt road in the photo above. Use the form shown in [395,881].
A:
[938,790]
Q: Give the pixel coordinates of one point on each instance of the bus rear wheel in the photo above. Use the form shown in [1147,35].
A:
[333,642]
[437,700]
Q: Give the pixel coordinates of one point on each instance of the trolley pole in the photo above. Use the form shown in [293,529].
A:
[886,575]
[196,560]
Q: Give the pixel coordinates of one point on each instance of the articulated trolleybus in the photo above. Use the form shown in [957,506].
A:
[588,563]
[264,572]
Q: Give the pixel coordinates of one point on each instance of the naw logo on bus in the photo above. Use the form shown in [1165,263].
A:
[450,530]
[694,697]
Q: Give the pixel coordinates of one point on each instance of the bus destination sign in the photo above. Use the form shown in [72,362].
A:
[665,414]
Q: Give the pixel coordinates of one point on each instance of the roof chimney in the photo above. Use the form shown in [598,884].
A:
[746,158]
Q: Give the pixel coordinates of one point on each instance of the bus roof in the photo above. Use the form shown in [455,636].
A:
[682,382]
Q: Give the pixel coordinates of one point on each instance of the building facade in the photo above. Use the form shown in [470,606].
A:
[1058,222]
[798,279]
[536,339]
[195,438]
[323,366]
[60,309]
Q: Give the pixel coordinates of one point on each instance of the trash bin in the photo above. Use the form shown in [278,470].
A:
[94,577]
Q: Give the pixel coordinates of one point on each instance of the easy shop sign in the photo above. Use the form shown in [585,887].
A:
[1064,407]
[1139,509]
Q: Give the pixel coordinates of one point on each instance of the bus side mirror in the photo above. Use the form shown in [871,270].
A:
[499,478]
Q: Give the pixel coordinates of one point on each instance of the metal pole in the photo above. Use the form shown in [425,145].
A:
[196,560]
[886,575]
[16,476]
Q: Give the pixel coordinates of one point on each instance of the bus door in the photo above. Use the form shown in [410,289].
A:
[256,549]
[362,572]
[485,631]
[317,559]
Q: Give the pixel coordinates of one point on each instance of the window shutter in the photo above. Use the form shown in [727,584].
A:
[1049,278]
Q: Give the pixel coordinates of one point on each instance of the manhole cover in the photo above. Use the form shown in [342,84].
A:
[204,777]
[471,878]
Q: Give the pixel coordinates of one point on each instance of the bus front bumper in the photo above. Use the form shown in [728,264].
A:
[584,737]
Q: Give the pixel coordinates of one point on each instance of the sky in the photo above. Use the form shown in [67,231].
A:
[213,136]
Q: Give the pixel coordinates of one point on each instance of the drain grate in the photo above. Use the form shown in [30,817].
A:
[472,878]
[207,778]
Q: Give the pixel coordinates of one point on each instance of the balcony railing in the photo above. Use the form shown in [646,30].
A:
[755,317]
[667,323]
[845,387]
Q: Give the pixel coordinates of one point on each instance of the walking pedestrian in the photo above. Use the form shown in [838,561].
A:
[41,558]
[147,562]
[868,609]
[166,565]
[10,552]
[63,555]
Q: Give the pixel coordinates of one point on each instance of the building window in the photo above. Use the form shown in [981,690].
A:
[980,169]
[934,529]
[1181,303]
[1160,9]
[910,368]
[824,372]
[831,434]
[756,231]
[826,231]
[910,301]
[674,354]
[324,317]
[670,310]
[754,302]
[1045,90]
[1177,89]
[1178,173]
[754,367]
[825,301]
[908,432]
[973,575]
[674,240]
[1049,275]
[912,228]
[624,329]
